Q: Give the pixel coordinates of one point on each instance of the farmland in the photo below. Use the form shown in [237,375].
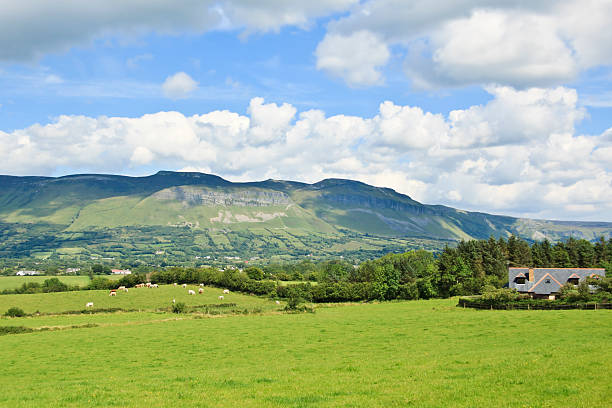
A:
[13,282]
[419,353]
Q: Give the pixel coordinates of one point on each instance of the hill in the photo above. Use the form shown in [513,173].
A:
[188,215]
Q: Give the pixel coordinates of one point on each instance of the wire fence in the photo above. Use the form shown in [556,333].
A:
[536,306]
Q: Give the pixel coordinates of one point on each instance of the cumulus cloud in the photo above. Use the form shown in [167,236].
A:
[517,43]
[494,157]
[355,57]
[33,28]
[179,85]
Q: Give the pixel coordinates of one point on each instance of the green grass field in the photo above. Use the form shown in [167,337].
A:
[419,353]
[140,299]
[13,282]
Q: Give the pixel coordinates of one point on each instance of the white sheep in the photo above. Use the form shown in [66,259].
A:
[225,290]
[200,291]
[89,304]
[201,284]
[173,300]
[174,283]
[184,285]
[221,297]
[191,292]
[277,302]
[121,288]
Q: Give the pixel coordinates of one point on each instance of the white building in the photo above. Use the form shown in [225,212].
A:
[27,273]
[121,272]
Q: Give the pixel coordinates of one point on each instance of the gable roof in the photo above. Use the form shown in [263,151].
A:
[547,286]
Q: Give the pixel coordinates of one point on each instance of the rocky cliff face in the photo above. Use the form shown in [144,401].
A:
[362,201]
[193,196]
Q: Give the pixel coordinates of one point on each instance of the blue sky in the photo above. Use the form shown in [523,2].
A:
[484,105]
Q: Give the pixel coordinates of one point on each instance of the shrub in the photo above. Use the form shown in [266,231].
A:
[254,273]
[494,296]
[179,307]
[54,285]
[14,330]
[15,312]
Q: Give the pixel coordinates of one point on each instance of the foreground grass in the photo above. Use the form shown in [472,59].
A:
[13,282]
[140,299]
[423,353]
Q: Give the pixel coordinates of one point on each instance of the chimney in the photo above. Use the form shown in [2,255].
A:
[531,277]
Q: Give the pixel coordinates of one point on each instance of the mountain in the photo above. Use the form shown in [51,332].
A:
[181,214]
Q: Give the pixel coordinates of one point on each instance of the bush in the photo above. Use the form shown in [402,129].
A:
[493,296]
[15,312]
[54,285]
[100,284]
[254,273]
[179,307]
[14,330]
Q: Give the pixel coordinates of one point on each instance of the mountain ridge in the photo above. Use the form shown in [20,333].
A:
[269,215]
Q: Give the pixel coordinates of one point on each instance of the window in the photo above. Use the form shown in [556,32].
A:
[519,281]
[547,280]
[573,281]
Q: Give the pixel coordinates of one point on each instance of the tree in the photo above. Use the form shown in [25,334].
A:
[254,272]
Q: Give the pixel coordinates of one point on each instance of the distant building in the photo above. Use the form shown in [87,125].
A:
[72,270]
[546,282]
[27,273]
[121,272]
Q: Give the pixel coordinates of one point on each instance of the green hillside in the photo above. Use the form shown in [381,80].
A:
[186,215]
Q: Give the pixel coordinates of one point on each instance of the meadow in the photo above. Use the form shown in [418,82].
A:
[414,353]
[140,299]
[13,282]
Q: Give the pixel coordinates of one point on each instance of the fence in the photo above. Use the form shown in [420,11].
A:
[536,306]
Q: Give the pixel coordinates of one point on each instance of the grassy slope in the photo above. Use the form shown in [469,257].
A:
[141,298]
[13,282]
[82,203]
[424,353]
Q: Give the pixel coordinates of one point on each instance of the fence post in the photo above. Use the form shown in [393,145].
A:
[527,306]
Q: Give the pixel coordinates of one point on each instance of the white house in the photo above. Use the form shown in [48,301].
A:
[27,273]
[121,272]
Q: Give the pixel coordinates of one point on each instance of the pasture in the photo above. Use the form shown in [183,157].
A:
[142,299]
[416,353]
[13,282]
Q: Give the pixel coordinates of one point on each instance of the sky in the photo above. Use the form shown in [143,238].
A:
[487,105]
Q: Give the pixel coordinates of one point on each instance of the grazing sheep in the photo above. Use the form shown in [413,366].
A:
[225,290]
[277,302]
[112,293]
[174,283]
[173,300]
[221,297]
[184,285]
[191,292]
[121,288]
[126,289]
[148,284]
[155,285]
[89,304]
[200,291]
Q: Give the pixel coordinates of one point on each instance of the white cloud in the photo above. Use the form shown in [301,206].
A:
[516,43]
[179,85]
[355,57]
[491,157]
[32,28]
[53,79]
